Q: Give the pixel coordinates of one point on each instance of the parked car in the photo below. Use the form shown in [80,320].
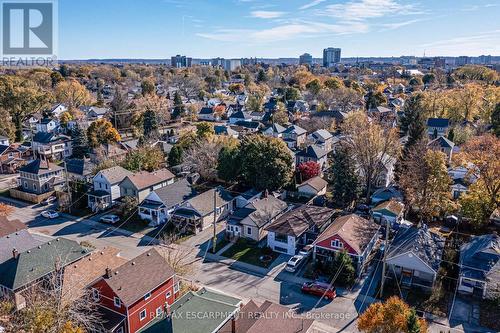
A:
[294,263]
[319,289]
[109,219]
[306,251]
[50,200]
[50,214]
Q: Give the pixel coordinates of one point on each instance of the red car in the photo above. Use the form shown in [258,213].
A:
[319,289]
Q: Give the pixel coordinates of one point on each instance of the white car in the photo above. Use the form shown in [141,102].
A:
[109,219]
[48,201]
[50,214]
[294,263]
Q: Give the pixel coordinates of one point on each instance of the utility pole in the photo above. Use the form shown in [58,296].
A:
[386,243]
[214,241]
[67,186]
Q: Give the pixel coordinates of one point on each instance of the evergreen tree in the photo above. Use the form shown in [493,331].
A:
[80,143]
[412,121]
[344,179]
[228,166]
[495,120]
[262,76]
[451,135]
[413,325]
[175,156]
[150,125]
[179,108]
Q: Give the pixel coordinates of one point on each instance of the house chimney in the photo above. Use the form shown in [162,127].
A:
[15,253]
[266,194]
[108,272]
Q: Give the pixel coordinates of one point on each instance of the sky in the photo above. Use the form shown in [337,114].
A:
[158,29]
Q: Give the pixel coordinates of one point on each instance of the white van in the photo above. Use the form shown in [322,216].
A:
[294,263]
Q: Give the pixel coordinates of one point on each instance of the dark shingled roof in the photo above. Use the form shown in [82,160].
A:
[175,194]
[438,122]
[262,211]
[206,110]
[39,261]
[441,142]
[299,220]
[312,151]
[20,240]
[40,167]
[129,281]
[480,258]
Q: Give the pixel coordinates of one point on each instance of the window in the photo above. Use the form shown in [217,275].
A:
[168,294]
[25,184]
[95,294]
[249,230]
[117,302]
[159,311]
[34,187]
[147,296]
[281,238]
[176,288]
[142,315]
[337,244]
[106,186]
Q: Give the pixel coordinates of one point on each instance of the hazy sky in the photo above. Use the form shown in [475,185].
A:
[276,28]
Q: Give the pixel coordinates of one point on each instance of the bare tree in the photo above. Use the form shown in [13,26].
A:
[203,156]
[189,85]
[180,258]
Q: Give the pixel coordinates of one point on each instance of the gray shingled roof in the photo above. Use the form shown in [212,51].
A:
[442,142]
[204,202]
[21,241]
[295,129]
[299,220]
[176,193]
[115,174]
[262,211]
[481,257]
[40,167]
[312,151]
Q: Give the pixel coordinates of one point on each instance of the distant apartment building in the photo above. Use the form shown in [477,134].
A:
[462,61]
[232,64]
[218,62]
[249,61]
[179,61]
[331,56]
[306,59]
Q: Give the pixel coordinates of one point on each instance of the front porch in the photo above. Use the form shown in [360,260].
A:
[99,200]
[154,212]
[187,220]
[408,278]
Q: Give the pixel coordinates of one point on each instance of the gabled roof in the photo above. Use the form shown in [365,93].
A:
[299,220]
[239,115]
[9,226]
[353,229]
[3,148]
[480,258]
[130,281]
[312,151]
[295,129]
[20,240]
[115,174]
[263,210]
[39,167]
[80,167]
[387,193]
[438,122]
[221,129]
[392,206]
[37,262]
[204,202]
[421,242]
[322,134]
[441,142]
[144,179]
[46,120]
[206,110]
[176,193]
[276,128]
[316,183]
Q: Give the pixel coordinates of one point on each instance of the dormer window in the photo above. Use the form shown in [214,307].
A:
[337,244]
[117,302]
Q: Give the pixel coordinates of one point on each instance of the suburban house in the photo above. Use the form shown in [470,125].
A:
[225,130]
[323,139]
[140,184]
[197,213]
[58,109]
[350,233]
[191,313]
[31,266]
[106,187]
[39,177]
[4,141]
[462,179]
[239,116]
[275,130]
[52,146]
[443,145]
[386,193]
[414,257]
[480,267]
[46,125]
[250,221]
[294,136]
[158,205]
[312,153]
[437,127]
[313,187]
[93,113]
[133,294]
[80,169]
[20,241]
[10,158]
[297,228]
[78,276]
[208,114]
[388,211]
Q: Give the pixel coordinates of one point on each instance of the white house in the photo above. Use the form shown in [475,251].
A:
[106,187]
[313,187]
[390,211]
[47,125]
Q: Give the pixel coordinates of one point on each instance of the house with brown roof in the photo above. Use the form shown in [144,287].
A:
[133,294]
[84,272]
[313,187]
[390,211]
[350,233]
[140,184]
[10,226]
[298,227]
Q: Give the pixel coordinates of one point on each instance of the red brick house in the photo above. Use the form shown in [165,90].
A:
[350,233]
[136,292]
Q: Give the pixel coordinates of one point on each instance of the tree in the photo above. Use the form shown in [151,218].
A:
[188,85]
[375,99]
[342,263]
[292,94]
[204,130]
[6,210]
[262,76]
[237,88]
[344,178]
[73,94]
[280,116]
[65,118]
[308,170]
[428,78]
[21,98]
[228,166]
[371,146]
[495,120]
[179,108]
[426,183]
[412,121]
[394,315]
[203,155]
[333,83]
[144,158]
[102,132]
[127,206]
[314,86]
[481,155]
[7,128]
[175,156]
[150,125]
[148,87]
[266,163]
[80,146]
[254,103]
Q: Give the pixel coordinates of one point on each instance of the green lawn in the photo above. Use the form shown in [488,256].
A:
[249,253]
[136,224]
